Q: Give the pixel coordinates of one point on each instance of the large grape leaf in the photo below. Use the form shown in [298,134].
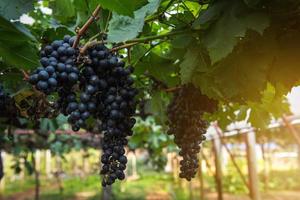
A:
[270,105]
[285,68]
[206,17]
[63,10]
[122,28]
[13,9]
[194,62]
[123,7]
[158,67]
[243,74]
[222,36]
[17,46]
[259,118]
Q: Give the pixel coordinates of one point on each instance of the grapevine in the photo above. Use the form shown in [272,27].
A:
[248,67]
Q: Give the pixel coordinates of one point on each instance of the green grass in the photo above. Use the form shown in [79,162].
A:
[138,189]
[149,182]
[72,186]
[283,180]
[12,187]
[130,190]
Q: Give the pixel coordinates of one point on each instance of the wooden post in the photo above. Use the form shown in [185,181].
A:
[266,169]
[200,176]
[208,165]
[2,183]
[218,174]
[191,194]
[1,166]
[220,134]
[175,167]
[48,163]
[85,162]
[298,152]
[36,177]
[38,160]
[23,169]
[252,166]
[295,133]
[58,172]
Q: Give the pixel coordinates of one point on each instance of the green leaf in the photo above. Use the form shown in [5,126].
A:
[13,81]
[57,33]
[242,114]
[51,138]
[182,41]
[181,20]
[15,30]
[122,28]
[48,124]
[61,120]
[122,7]
[63,10]
[194,62]
[105,16]
[17,45]
[274,103]
[259,118]
[206,17]
[243,74]
[285,68]
[13,9]
[138,52]
[159,67]
[237,19]
[157,106]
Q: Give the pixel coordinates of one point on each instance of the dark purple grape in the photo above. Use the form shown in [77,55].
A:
[43,75]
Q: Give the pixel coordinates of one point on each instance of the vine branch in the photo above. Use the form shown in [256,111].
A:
[124,46]
[136,41]
[133,42]
[86,25]
[161,36]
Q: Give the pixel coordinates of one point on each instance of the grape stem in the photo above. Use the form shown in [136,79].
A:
[89,45]
[84,28]
[172,89]
[124,46]
[25,74]
[129,55]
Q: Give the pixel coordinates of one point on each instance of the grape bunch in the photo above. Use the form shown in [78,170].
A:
[185,122]
[108,82]
[58,69]
[100,87]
